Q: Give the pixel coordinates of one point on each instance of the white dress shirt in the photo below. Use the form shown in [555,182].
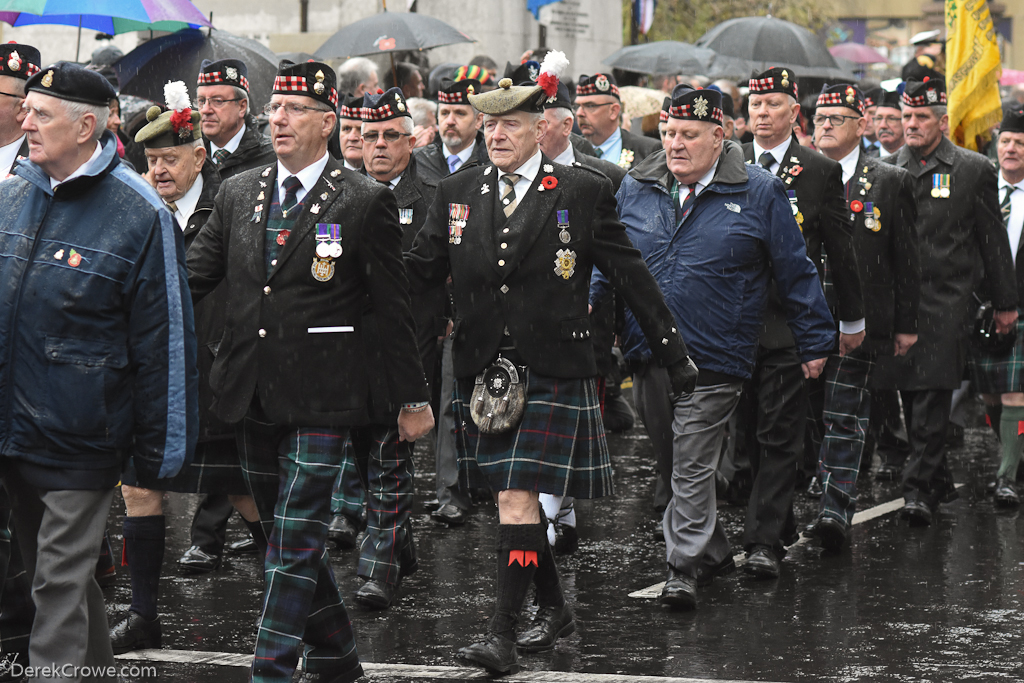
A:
[187,204]
[307,176]
[778,153]
[701,184]
[849,164]
[8,155]
[1016,224]
[527,172]
[232,144]
[351,167]
[567,157]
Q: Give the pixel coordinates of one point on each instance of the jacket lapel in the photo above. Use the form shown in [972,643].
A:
[256,234]
[313,205]
[531,216]
[484,205]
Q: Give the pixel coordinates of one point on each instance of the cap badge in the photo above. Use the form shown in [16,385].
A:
[700,107]
[601,83]
[932,96]
[319,87]
[47,79]
[14,61]
[785,78]
[400,105]
[470,90]
[232,73]
[850,95]
[533,71]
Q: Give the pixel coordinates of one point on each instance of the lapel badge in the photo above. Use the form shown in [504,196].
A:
[563,225]
[405,216]
[282,237]
[484,189]
[335,173]
[263,184]
[794,160]
[260,197]
[458,214]
[59,254]
[565,263]
[487,171]
[315,209]
[330,185]
[266,171]
[548,168]
[74,259]
[324,196]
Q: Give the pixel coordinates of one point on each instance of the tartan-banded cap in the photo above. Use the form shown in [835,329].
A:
[309,79]
[665,106]
[384,106]
[19,61]
[929,92]
[689,104]
[224,72]
[598,84]
[841,95]
[351,108]
[872,97]
[457,92]
[775,79]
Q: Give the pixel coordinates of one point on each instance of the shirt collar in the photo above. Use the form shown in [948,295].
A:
[567,157]
[187,204]
[778,153]
[707,178]
[9,154]
[81,170]
[849,164]
[464,155]
[528,171]
[307,176]
[394,181]
[351,167]
[232,143]
[1003,182]
[613,139]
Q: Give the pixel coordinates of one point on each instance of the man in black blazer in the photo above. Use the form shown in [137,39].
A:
[881,204]
[963,245]
[519,237]
[778,389]
[302,246]
[459,141]
[599,114]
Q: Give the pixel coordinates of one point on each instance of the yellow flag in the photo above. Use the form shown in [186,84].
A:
[972,72]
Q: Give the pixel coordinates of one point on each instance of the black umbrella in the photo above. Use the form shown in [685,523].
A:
[390,32]
[764,42]
[177,57]
[662,57]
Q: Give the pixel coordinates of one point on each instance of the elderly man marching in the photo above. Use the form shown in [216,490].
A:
[303,245]
[18,63]
[519,237]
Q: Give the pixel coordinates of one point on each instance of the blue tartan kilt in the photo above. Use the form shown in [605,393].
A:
[1002,373]
[559,446]
[215,468]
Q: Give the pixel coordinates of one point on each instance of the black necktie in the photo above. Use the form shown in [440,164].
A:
[291,189]
[766,160]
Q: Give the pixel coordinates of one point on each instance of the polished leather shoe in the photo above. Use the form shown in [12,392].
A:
[450,515]
[814,489]
[550,624]
[917,512]
[706,574]
[567,539]
[198,561]
[377,594]
[830,532]
[246,546]
[494,653]
[680,591]
[762,563]
[1006,493]
[342,532]
[887,472]
[134,632]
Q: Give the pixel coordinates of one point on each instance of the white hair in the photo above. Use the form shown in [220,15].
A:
[562,113]
[422,110]
[242,95]
[407,124]
[353,72]
[76,110]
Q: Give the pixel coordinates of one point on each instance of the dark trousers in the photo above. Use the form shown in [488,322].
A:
[778,383]
[926,476]
[886,425]
[210,523]
[291,473]
[16,608]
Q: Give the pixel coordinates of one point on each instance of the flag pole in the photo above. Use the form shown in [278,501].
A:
[78,46]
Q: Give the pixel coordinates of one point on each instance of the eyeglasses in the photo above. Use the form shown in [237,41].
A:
[891,120]
[836,120]
[215,102]
[9,94]
[590,106]
[389,136]
[291,109]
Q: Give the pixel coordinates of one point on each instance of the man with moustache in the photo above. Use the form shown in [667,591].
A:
[889,123]
[459,140]
[599,115]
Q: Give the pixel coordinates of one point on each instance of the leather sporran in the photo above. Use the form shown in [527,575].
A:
[499,398]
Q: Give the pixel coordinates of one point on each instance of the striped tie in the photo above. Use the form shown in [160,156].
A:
[1004,206]
[219,156]
[508,193]
[172,207]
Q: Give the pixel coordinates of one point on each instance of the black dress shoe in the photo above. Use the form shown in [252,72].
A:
[888,472]
[567,539]
[431,505]
[246,546]
[494,653]
[134,632]
[377,594]
[830,532]
[198,561]
[706,574]
[762,563]
[450,515]
[342,532]
[1006,494]
[550,624]
[917,512]
[680,591]
[815,490]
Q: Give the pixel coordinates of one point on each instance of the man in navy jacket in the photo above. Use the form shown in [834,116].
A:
[713,232]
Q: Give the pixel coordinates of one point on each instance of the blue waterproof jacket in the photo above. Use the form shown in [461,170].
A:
[97,343]
[714,266]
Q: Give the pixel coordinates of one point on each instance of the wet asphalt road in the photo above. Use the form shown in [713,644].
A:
[900,604]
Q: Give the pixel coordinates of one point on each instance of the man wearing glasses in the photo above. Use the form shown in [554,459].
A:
[233,142]
[17,64]
[304,244]
[599,115]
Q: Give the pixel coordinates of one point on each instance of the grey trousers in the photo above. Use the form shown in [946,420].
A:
[693,534]
[446,459]
[59,532]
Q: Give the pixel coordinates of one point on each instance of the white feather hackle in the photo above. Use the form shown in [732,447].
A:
[555,63]
[176,96]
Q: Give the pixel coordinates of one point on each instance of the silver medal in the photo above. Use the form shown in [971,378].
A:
[323,250]
[335,250]
[563,235]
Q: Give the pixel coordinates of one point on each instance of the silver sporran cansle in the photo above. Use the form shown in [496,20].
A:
[499,398]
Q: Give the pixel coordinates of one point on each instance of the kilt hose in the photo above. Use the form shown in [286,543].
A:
[384,467]
[1001,373]
[291,473]
[559,446]
[846,416]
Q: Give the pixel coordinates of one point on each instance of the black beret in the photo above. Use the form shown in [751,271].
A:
[384,106]
[310,79]
[775,79]
[72,82]
[224,71]
[841,95]
[1013,121]
[457,92]
[702,104]
[19,61]
[598,84]
[351,107]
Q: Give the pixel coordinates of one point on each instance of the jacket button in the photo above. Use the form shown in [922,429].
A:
[665,341]
[505,230]
[574,334]
[266,290]
[274,262]
[263,333]
[504,245]
[504,289]
[501,262]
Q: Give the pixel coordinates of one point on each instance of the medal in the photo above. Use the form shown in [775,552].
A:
[792,202]
[405,216]
[323,250]
[940,185]
[458,214]
[328,242]
[565,263]
[322,269]
[336,250]
[563,225]
[871,224]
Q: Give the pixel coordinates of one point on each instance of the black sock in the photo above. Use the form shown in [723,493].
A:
[993,415]
[549,586]
[144,548]
[519,550]
[258,535]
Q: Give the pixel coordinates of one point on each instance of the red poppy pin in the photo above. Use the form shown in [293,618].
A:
[796,170]
[74,259]
[282,237]
[549,182]
[856,206]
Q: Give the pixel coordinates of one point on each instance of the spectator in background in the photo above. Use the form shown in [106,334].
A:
[410,80]
[424,119]
[357,76]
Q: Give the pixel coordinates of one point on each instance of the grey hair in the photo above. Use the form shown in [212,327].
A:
[242,95]
[353,72]
[939,110]
[421,110]
[407,124]
[563,113]
[76,110]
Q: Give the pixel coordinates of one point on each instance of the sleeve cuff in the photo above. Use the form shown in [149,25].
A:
[851,326]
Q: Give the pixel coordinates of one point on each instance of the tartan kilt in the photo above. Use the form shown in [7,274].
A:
[559,446]
[1002,373]
[215,468]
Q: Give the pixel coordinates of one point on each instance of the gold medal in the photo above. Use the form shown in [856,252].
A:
[565,263]
[322,269]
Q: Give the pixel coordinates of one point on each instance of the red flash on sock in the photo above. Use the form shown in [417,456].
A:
[988,421]
[124,552]
[524,557]
[1020,428]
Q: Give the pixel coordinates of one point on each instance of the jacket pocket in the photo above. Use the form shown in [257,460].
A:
[575,329]
[86,388]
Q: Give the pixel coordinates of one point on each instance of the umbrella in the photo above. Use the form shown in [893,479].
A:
[857,53]
[661,57]
[390,32]
[764,42]
[295,57]
[177,57]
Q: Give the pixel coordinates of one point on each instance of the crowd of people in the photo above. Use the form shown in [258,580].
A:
[269,307]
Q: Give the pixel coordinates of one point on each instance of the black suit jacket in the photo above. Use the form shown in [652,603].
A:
[518,288]
[254,151]
[275,340]
[820,198]
[613,172]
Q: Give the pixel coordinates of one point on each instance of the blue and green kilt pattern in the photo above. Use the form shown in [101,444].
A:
[215,468]
[559,446]
[1002,373]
